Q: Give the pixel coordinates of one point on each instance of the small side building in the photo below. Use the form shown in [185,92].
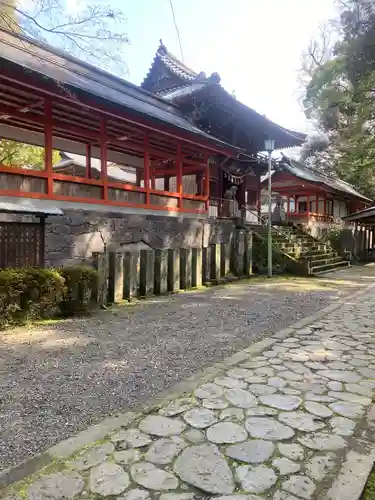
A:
[315,201]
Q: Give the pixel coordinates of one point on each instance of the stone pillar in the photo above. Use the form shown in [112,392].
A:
[239,253]
[161,272]
[173,270]
[215,261]
[225,259]
[206,265]
[101,263]
[146,282]
[185,268]
[249,253]
[131,274]
[197,273]
[116,277]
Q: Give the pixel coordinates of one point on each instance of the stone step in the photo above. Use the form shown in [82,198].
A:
[327,260]
[329,267]
[317,250]
[322,255]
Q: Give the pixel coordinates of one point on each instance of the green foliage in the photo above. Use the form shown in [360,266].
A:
[369,492]
[339,96]
[334,238]
[260,258]
[18,154]
[31,293]
[81,287]
[28,293]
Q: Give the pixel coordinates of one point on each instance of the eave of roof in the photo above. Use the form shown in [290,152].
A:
[302,172]
[63,68]
[284,137]
[362,215]
[27,206]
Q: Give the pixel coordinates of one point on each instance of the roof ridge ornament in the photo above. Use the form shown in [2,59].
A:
[214,78]
[162,48]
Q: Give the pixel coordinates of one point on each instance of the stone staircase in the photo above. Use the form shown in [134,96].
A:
[311,256]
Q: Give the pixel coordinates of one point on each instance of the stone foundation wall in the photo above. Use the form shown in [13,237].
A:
[72,238]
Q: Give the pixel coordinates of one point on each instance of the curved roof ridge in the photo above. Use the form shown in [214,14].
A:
[176,67]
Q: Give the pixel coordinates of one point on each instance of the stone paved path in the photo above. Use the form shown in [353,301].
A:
[57,380]
[278,424]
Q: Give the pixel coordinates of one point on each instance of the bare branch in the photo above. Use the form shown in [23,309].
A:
[93,32]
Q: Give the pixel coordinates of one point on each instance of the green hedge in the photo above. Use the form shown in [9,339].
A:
[80,289]
[31,293]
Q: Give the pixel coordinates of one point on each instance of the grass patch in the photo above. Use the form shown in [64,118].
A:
[369,492]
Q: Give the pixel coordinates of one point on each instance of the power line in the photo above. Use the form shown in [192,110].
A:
[177,30]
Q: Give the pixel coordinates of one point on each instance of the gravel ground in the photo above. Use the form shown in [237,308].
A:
[56,380]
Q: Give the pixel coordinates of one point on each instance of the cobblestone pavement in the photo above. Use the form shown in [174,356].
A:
[59,379]
[279,424]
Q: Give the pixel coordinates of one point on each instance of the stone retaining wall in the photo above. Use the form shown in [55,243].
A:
[72,238]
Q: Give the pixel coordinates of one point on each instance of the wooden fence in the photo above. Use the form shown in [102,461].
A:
[128,275]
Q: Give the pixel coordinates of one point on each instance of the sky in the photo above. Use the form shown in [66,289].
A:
[255,46]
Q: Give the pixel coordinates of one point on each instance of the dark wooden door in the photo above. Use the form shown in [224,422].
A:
[21,244]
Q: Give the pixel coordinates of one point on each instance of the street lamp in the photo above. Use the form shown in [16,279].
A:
[269,146]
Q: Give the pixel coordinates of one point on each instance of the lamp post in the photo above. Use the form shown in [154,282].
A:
[269,146]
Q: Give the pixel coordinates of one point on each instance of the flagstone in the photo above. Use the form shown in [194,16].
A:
[200,418]
[342,426]
[256,479]
[209,390]
[268,428]
[204,467]
[347,409]
[226,432]
[318,409]
[319,466]
[255,451]
[233,415]
[158,425]
[230,383]
[302,486]
[281,402]
[293,451]
[241,398]
[300,421]
[285,466]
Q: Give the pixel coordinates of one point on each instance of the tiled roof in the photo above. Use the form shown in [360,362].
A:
[61,67]
[367,215]
[183,73]
[114,171]
[301,171]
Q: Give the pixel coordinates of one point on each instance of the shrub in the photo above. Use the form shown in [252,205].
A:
[80,289]
[334,238]
[28,293]
[260,258]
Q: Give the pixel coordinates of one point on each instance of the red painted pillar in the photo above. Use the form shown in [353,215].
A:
[308,203]
[179,174]
[88,161]
[48,145]
[152,174]
[103,157]
[146,167]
